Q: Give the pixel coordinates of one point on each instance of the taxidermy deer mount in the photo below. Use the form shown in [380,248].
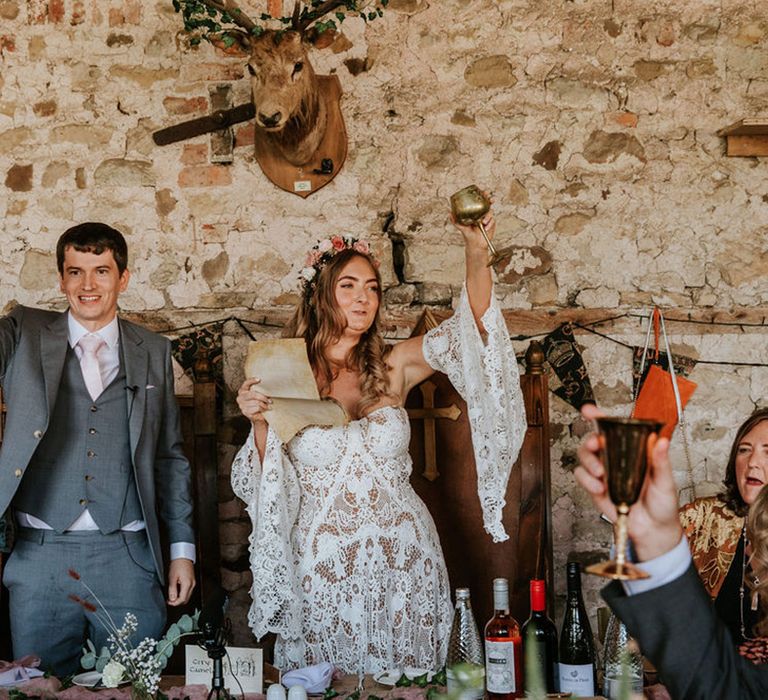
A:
[301,140]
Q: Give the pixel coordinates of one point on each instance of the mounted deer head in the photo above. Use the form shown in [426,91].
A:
[290,111]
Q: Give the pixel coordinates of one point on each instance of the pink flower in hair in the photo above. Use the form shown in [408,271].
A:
[338,242]
[325,245]
[361,247]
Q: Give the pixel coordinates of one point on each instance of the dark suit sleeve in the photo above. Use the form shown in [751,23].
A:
[10,326]
[678,630]
[9,338]
[173,479]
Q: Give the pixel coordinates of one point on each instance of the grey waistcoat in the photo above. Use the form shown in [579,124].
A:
[84,458]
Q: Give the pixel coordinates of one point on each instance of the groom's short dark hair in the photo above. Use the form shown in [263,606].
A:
[93,237]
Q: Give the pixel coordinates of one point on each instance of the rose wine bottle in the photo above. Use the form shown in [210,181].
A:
[503,648]
[577,647]
[540,644]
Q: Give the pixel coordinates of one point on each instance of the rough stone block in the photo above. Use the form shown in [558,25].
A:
[165,202]
[54,172]
[205,176]
[143,77]
[194,154]
[18,178]
[46,108]
[92,136]
[213,72]
[118,172]
[245,135]
[186,105]
[38,272]
[435,294]
[491,72]
[606,147]
[9,9]
[402,294]
[15,138]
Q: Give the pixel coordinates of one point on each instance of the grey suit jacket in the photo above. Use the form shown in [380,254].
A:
[678,630]
[33,346]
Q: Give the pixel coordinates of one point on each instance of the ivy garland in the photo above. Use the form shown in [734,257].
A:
[212,21]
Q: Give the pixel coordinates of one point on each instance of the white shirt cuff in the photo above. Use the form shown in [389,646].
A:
[183,550]
[662,570]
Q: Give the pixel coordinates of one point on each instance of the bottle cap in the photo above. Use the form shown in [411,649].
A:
[462,594]
[538,598]
[501,585]
[574,568]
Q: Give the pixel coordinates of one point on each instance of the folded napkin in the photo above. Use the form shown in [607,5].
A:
[19,671]
[314,679]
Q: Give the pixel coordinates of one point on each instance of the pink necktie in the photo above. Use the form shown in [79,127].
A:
[89,363]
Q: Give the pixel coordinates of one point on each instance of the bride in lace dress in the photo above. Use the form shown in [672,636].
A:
[346,561]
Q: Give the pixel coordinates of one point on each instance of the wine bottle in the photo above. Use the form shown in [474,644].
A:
[503,648]
[540,644]
[622,662]
[577,647]
[464,667]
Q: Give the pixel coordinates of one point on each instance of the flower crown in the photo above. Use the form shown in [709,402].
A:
[323,252]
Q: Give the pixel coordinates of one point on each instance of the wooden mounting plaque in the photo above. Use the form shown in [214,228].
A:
[746,137]
[302,180]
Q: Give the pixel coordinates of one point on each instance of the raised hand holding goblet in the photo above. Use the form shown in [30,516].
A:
[625,447]
[469,206]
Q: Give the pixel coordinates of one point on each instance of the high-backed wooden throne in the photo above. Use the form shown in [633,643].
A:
[444,476]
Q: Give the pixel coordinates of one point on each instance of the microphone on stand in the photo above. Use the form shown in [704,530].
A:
[213,634]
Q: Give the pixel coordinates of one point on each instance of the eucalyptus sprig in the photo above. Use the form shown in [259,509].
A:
[224,21]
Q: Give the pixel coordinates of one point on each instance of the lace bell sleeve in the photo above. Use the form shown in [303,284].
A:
[488,379]
[271,493]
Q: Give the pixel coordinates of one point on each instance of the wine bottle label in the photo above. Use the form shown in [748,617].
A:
[500,667]
[579,680]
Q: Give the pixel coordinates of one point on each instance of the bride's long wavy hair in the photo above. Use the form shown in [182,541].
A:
[319,320]
[757,533]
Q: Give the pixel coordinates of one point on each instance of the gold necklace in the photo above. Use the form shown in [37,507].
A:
[755,594]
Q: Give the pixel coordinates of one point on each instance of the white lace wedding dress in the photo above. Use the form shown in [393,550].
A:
[346,562]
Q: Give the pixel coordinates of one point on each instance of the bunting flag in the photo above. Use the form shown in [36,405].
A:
[564,356]
[202,339]
[683,365]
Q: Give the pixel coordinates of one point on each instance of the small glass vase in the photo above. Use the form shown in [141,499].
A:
[140,692]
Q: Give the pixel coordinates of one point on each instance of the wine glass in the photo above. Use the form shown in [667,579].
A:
[469,206]
[625,454]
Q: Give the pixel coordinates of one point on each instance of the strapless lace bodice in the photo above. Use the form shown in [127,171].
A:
[347,566]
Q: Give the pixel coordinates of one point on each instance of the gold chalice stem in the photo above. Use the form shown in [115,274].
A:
[491,248]
[621,538]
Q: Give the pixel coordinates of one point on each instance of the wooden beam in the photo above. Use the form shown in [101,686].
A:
[399,322]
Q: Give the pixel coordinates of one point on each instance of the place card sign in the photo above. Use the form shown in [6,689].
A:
[245,664]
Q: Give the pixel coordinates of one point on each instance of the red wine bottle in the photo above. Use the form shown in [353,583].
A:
[540,644]
[503,648]
[577,646]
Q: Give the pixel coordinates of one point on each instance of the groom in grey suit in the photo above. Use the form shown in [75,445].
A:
[91,462]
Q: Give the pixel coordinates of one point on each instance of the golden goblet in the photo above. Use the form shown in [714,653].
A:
[469,206]
[624,450]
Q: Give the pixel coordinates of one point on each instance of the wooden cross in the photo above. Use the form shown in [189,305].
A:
[428,414]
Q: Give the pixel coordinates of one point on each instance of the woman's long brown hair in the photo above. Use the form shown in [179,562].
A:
[321,323]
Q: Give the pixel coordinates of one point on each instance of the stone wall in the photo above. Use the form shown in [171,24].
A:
[593,122]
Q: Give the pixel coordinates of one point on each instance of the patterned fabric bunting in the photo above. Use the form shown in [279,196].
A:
[564,356]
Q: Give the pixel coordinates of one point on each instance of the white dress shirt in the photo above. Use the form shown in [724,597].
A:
[662,570]
[109,366]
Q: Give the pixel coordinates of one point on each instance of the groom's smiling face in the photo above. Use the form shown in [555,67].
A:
[92,284]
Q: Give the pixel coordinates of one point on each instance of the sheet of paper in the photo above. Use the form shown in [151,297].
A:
[283,367]
[244,664]
[287,378]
